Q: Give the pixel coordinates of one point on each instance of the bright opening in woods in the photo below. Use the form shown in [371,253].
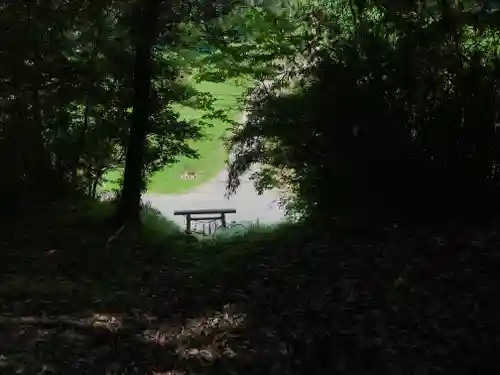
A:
[335,162]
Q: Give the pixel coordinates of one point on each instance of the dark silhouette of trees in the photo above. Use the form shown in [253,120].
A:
[144,34]
[67,96]
[394,109]
[396,120]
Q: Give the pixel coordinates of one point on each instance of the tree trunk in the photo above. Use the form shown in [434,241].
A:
[144,33]
[80,143]
[39,159]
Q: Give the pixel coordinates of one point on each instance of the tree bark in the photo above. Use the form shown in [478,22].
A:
[39,159]
[144,34]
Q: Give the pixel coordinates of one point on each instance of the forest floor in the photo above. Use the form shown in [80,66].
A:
[77,297]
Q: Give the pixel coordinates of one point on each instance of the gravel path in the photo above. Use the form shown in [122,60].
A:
[248,204]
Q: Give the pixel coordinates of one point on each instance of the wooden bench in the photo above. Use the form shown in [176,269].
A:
[201,215]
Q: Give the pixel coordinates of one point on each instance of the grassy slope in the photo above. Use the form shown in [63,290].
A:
[211,150]
[259,304]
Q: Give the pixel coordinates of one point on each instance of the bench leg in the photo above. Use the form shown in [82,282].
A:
[188,224]
[223,220]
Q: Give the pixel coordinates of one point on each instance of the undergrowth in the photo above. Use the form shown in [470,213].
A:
[77,296]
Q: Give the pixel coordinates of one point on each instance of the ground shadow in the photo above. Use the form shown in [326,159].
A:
[286,303]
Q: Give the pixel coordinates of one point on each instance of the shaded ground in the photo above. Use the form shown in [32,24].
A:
[74,299]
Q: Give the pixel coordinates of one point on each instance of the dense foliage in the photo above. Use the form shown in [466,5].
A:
[395,114]
[394,110]
[68,94]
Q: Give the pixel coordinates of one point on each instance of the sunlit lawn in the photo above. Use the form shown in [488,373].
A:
[211,149]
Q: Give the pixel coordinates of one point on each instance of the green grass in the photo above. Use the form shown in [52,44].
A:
[211,149]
